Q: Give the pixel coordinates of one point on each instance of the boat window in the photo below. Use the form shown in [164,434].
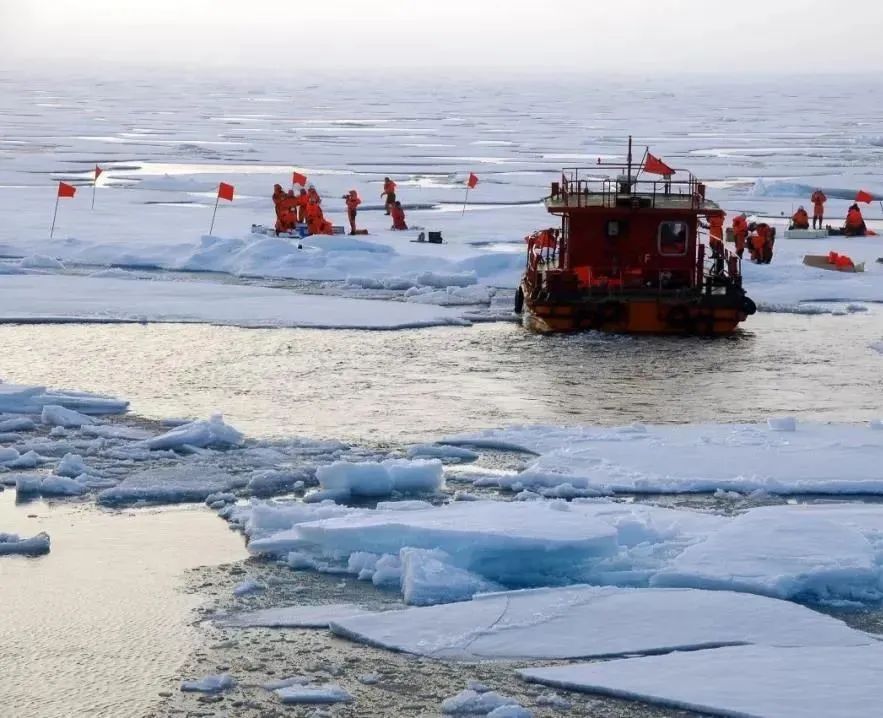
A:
[673,238]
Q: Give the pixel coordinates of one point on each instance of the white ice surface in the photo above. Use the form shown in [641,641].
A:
[292,616]
[49,298]
[814,458]
[313,694]
[586,621]
[381,478]
[745,681]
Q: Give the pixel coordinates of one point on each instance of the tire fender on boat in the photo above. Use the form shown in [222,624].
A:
[519,300]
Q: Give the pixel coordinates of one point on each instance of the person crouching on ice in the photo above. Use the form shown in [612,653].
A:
[398,216]
[352,204]
[800,219]
[855,223]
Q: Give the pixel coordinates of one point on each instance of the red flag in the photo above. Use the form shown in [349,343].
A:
[298,178]
[66,190]
[225,191]
[655,166]
[98,172]
[863,196]
[472,181]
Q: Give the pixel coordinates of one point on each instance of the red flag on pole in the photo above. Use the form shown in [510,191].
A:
[655,166]
[66,190]
[298,178]
[863,196]
[472,181]
[225,191]
[98,172]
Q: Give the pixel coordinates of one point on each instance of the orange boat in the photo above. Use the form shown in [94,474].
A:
[632,255]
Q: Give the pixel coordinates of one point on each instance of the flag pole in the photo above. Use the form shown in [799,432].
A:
[211,229]
[465,200]
[54,215]
[94,183]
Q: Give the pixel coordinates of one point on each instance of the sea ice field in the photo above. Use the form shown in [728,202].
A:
[243,475]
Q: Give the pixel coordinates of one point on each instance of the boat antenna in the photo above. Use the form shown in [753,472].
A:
[630,160]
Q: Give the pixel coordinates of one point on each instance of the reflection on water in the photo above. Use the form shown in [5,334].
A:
[401,386]
[98,626]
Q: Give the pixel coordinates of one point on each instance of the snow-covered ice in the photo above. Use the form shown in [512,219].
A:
[381,478]
[15,544]
[213,433]
[292,616]
[804,459]
[313,694]
[756,681]
[587,621]
[209,684]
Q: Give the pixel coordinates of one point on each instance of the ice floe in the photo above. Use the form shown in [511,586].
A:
[209,684]
[292,616]
[343,479]
[15,544]
[313,694]
[175,484]
[590,621]
[757,681]
[473,703]
[68,418]
[22,399]
[200,434]
[782,458]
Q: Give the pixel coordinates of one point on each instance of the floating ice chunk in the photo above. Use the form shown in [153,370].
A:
[369,679]
[587,621]
[429,577]
[61,486]
[387,571]
[221,497]
[8,455]
[127,433]
[16,424]
[553,700]
[782,423]
[371,478]
[268,482]
[442,281]
[313,694]
[175,484]
[26,484]
[247,587]
[442,451]
[293,616]
[33,546]
[209,684]
[28,460]
[285,682]
[477,686]
[510,712]
[213,433]
[471,703]
[66,418]
[71,465]
[761,681]
[96,482]
[39,261]
[812,553]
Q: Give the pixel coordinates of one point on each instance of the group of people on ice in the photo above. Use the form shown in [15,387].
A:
[305,208]
[758,237]
[853,227]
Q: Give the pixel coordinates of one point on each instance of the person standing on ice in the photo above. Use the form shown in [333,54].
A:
[818,208]
[352,204]
[389,191]
[740,233]
[800,219]
[398,217]
[313,195]
[303,199]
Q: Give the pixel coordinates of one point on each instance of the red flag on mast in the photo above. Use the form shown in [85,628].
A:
[98,172]
[225,191]
[66,190]
[298,178]
[863,196]
[655,166]
[472,181]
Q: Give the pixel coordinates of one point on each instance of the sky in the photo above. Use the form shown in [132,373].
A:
[648,37]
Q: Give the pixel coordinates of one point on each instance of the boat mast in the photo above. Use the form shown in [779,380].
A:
[630,162]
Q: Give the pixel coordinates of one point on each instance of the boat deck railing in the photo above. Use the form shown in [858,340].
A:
[578,188]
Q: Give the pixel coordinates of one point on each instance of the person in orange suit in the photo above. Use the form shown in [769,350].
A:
[316,222]
[313,195]
[818,208]
[398,216]
[740,233]
[716,241]
[278,194]
[352,204]
[389,191]
[855,223]
[302,200]
[286,213]
[800,219]
[763,247]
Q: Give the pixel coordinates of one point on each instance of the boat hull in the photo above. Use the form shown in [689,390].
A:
[634,316]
